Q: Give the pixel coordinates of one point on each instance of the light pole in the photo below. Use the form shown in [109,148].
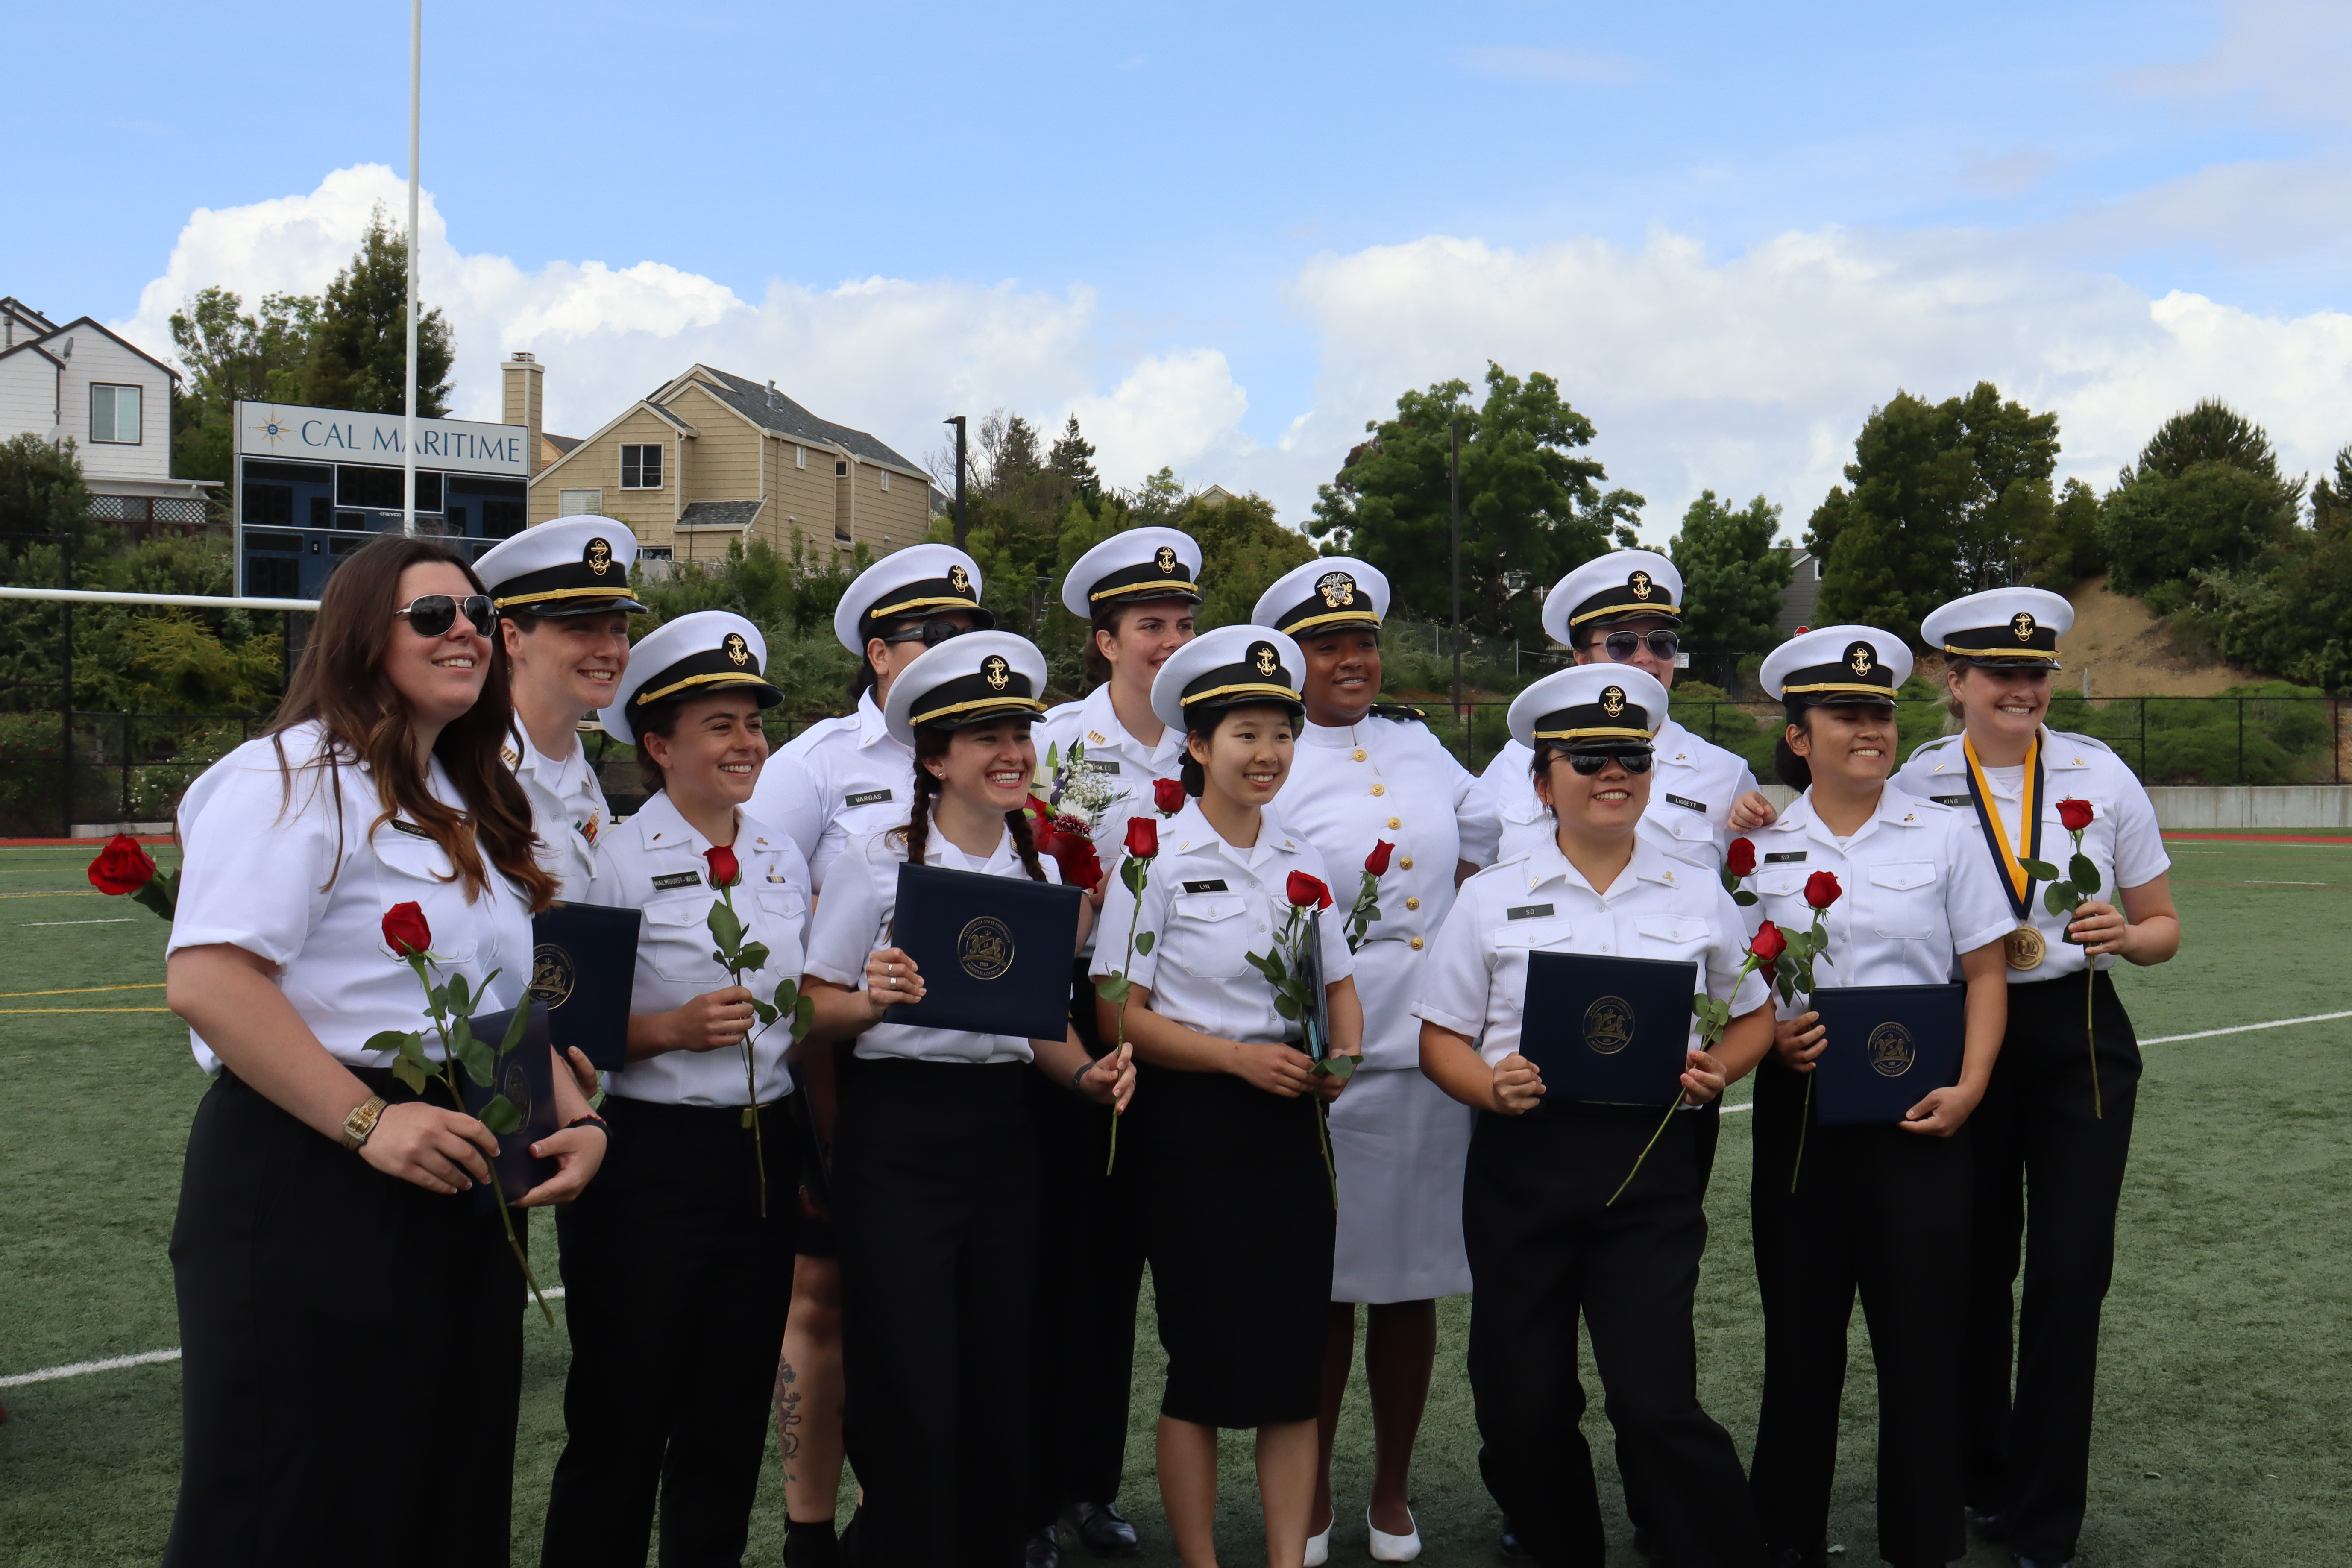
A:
[957,420]
[408,434]
[1454,507]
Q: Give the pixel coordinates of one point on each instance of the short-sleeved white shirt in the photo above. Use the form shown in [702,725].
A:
[864,781]
[1693,785]
[1123,764]
[1914,891]
[785,798]
[1475,981]
[279,875]
[1209,906]
[2123,840]
[655,862]
[852,920]
[567,809]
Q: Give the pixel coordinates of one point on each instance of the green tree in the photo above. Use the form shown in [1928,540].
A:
[1072,458]
[231,356]
[1733,578]
[2205,495]
[358,354]
[1946,499]
[1243,551]
[2291,612]
[1529,502]
[41,491]
[2067,550]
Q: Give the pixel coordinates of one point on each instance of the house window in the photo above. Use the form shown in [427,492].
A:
[570,503]
[114,414]
[800,456]
[641,468]
[886,477]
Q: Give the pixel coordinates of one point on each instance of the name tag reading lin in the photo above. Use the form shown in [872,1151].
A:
[677,880]
[1528,913]
[1784,857]
[866,797]
[1698,805]
[1213,884]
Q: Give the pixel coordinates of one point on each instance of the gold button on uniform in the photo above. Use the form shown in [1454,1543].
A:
[1398,822]
[1406,862]
[1356,755]
[1379,789]
[1416,944]
[1412,903]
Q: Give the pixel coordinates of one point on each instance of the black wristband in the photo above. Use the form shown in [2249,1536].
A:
[592,1119]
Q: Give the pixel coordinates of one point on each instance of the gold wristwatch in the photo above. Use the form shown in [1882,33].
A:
[361,1122]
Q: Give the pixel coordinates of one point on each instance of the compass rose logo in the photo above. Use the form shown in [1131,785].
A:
[273,428]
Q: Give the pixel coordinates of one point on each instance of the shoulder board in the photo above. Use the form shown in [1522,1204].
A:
[1931,745]
[1402,713]
[2092,741]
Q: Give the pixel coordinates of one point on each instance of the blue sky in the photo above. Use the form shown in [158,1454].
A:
[1228,234]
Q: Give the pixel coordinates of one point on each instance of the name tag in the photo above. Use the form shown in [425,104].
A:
[1213,884]
[410,828]
[1953,799]
[866,797]
[676,880]
[1783,856]
[1102,764]
[1528,913]
[1698,805]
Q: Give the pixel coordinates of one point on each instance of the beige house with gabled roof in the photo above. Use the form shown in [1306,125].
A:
[710,458]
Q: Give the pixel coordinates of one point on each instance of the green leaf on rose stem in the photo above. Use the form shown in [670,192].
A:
[2058,897]
[787,993]
[2083,874]
[753,956]
[1341,1067]
[765,1014]
[726,930]
[1133,871]
[1113,989]
[515,1027]
[2040,870]
[1371,911]
[500,1116]
[386,1040]
[1143,940]
[1285,1005]
[1784,982]
[410,1071]
[436,1000]
[461,995]
[476,1059]
[1743,898]
[804,1015]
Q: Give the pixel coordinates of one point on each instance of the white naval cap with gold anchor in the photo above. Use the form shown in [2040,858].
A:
[576,566]
[1591,706]
[1133,568]
[1325,595]
[1837,664]
[706,652]
[2016,627]
[1232,664]
[967,680]
[1617,586]
[909,585]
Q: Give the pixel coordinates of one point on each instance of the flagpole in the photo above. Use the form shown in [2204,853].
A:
[408,434]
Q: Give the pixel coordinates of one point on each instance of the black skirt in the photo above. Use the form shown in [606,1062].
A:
[1238,1225]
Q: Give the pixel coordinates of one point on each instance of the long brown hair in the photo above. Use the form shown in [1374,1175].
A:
[931,742]
[341,684]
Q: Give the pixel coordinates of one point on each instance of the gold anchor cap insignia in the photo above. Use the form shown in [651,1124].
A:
[1859,657]
[998,674]
[1640,582]
[1613,701]
[737,650]
[1263,656]
[959,579]
[2021,623]
[598,556]
[1165,557]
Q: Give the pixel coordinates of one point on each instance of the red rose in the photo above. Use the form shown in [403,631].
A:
[2074,814]
[1821,890]
[1168,796]
[1066,841]
[724,869]
[405,930]
[1377,862]
[1142,837]
[1741,860]
[122,866]
[1768,946]
[1305,890]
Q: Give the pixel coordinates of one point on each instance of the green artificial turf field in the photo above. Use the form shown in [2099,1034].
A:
[2222,1419]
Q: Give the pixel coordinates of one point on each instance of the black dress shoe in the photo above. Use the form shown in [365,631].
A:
[1102,1530]
[1990,1523]
[1512,1546]
[1044,1551]
[1643,1545]
[811,1544]
[1795,1557]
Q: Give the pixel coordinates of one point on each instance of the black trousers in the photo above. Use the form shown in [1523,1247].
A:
[675,1293]
[2050,1174]
[1089,1274]
[1886,1213]
[935,1172]
[351,1354]
[1545,1247]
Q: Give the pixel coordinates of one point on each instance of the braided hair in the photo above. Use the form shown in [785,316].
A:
[931,740]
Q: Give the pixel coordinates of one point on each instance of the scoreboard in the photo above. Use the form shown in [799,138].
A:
[311,485]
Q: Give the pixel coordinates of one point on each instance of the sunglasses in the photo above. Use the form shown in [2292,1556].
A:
[432,614]
[1621,647]
[1588,764]
[931,634]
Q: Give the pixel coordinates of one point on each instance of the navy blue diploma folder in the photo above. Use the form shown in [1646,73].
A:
[583,966]
[994,952]
[1613,1031]
[526,1077]
[1886,1047]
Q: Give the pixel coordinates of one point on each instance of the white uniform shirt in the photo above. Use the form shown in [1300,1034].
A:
[282,877]
[1352,785]
[1124,764]
[654,862]
[567,809]
[2123,840]
[854,920]
[1915,890]
[785,798]
[1210,905]
[1476,980]
[864,781]
[1693,785]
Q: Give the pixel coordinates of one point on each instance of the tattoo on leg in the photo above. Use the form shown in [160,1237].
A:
[788,1415]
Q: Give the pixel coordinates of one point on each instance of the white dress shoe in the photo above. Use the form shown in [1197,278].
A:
[1319,1548]
[1387,1548]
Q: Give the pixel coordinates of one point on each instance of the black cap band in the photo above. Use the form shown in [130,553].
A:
[1612,717]
[570,587]
[1258,676]
[1861,674]
[2023,639]
[925,596]
[1338,600]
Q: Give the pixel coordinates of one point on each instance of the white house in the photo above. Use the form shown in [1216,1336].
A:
[81,383]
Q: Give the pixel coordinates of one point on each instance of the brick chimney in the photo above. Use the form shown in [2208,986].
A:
[524,401]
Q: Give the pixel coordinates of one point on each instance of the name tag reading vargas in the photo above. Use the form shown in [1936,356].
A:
[866,797]
[1698,805]
[1213,884]
[1528,913]
[1783,856]
[676,880]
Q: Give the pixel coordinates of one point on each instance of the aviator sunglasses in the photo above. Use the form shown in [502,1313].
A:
[1633,761]
[931,634]
[432,614]
[1621,647]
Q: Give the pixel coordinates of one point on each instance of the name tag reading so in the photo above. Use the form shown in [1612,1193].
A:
[1784,856]
[1528,913]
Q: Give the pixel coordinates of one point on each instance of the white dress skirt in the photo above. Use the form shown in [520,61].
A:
[1400,1144]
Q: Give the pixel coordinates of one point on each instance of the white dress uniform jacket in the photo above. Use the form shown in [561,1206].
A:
[1210,905]
[654,862]
[862,779]
[1401,1141]
[567,810]
[1915,890]
[854,920]
[2123,840]
[1124,764]
[1476,980]
[1693,785]
[299,878]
